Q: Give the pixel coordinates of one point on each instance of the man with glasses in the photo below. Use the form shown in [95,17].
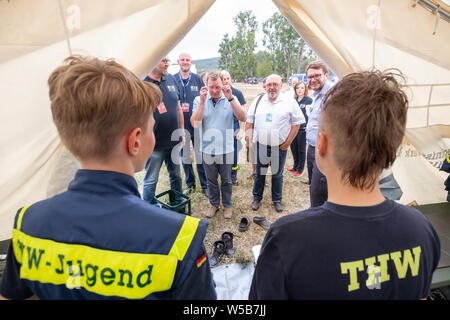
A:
[275,120]
[317,75]
[168,118]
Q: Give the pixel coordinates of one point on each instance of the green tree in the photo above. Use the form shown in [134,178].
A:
[284,44]
[243,45]
[264,65]
[225,50]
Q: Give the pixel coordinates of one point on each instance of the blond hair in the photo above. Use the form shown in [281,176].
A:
[94,102]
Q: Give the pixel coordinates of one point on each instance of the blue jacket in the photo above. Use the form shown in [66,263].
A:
[99,240]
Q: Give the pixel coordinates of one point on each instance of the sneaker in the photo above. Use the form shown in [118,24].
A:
[227,213]
[227,238]
[255,204]
[291,169]
[261,221]
[235,181]
[219,250]
[298,174]
[278,206]
[211,212]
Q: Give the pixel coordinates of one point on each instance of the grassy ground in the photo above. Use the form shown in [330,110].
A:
[295,198]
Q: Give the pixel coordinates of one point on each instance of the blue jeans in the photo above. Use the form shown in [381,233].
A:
[153,167]
[187,163]
[266,155]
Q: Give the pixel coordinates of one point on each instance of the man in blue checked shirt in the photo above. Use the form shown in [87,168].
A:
[317,75]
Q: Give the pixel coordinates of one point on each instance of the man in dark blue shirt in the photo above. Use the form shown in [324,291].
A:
[238,127]
[99,239]
[169,128]
[358,244]
[189,85]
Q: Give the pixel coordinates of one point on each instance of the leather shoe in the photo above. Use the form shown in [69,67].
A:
[211,212]
[278,206]
[227,213]
[219,250]
[255,204]
[227,238]
[243,225]
[261,221]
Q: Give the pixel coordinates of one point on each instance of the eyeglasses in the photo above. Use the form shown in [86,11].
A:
[165,60]
[314,76]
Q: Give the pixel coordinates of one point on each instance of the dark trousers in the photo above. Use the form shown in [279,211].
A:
[215,166]
[237,147]
[298,149]
[187,163]
[318,191]
[266,155]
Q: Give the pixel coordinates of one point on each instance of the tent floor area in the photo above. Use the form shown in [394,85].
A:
[439,215]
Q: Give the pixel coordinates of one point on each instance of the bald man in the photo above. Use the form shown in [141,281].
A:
[275,123]
[189,85]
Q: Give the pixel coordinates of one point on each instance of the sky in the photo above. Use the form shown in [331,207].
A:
[203,39]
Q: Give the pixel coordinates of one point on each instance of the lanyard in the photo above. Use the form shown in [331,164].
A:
[183,85]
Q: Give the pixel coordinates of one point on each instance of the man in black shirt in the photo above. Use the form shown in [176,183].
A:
[357,245]
[168,122]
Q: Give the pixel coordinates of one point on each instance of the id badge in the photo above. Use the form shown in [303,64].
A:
[185,107]
[268,117]
[162,108]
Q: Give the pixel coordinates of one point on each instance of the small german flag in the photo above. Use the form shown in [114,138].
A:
[201,260]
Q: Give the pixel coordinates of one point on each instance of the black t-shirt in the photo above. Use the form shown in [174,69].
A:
[188,89]
[238,94]
[166,114]
[387,251]
[302,104]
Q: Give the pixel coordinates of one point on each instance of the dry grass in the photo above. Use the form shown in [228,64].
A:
[295,198]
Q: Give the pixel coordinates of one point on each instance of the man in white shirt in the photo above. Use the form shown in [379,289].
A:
[275,121]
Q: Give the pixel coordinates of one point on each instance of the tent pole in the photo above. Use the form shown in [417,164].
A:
[63,20]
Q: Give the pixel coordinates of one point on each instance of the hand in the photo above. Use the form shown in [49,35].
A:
[203,94]
[284,146]
[239,135]
[247,141]
[227,91]
[183,141]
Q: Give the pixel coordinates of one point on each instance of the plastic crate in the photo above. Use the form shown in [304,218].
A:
[167,201]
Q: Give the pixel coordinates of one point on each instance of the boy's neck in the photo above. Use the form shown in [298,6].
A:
[344,194]
[116,166]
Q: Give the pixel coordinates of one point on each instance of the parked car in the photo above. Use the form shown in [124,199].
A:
[252,80]
[300,77]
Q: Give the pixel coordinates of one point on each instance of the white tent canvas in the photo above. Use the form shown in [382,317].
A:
[35,36]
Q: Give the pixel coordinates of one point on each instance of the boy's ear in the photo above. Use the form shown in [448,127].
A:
[322,143]
[134,141]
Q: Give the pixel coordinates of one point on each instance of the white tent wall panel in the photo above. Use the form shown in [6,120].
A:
[34,164]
